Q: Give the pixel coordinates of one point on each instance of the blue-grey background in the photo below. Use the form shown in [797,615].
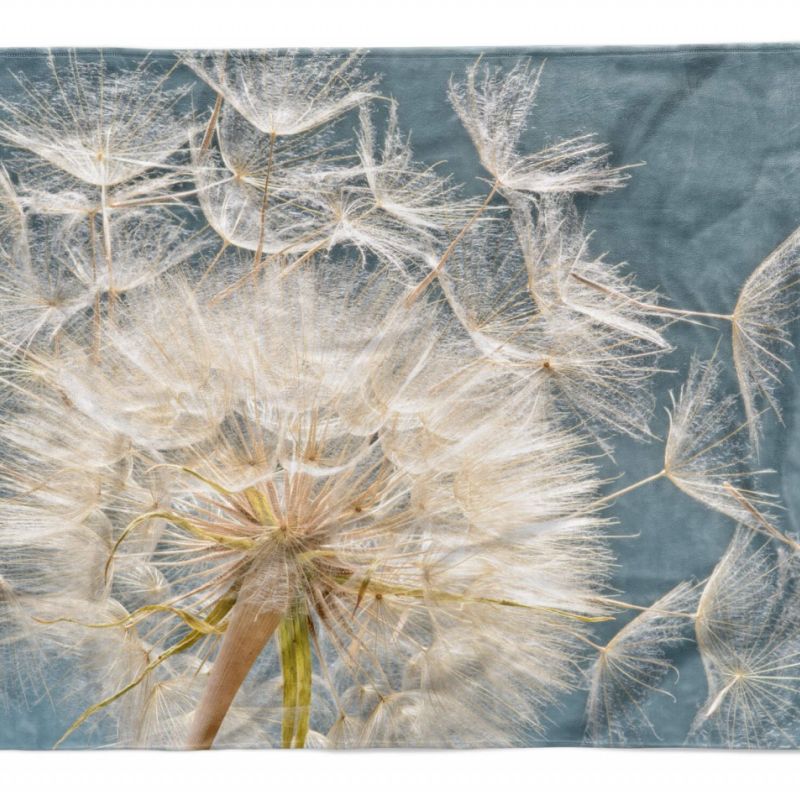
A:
[719,131]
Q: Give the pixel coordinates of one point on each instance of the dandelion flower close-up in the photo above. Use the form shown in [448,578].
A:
[309,441]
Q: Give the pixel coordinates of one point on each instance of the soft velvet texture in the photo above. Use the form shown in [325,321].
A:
[716,134]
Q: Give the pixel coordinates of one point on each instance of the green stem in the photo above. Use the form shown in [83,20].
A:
[295,649]
[216,615]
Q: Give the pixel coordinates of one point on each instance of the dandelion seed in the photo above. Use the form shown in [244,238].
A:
[102,126]
[561,273]
[747,634]
[633,664]
[414,195]
[248,166]
[595,370]
[60,273]
[760,323]
[495,107]
[707,451]
[285,93]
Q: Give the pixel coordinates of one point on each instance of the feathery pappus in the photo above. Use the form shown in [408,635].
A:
[302,446]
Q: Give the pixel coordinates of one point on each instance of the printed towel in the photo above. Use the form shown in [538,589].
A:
[400,398]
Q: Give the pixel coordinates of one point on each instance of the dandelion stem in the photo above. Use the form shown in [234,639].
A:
[160,199]
[620,492]
[142,613]
[608,601]
[585,639]
[214,261]
[96,321]
[212,123]
[650,307]
[262,220]
[295,651]
[248,631]
[420,288]
[305,257]
[720,697]
[107,246]
[217,614]
[764,524]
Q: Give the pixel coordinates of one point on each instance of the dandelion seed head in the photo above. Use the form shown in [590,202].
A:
[101,125]
[285,93]
[494,107]
[300,447]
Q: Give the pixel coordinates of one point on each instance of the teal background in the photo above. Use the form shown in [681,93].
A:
[719,131]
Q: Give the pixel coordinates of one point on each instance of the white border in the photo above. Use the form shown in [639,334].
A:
[392,23]
[544,773]
[541,774]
